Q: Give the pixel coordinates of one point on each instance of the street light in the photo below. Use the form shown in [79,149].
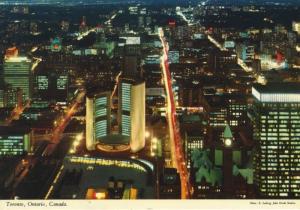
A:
[79,137]
[76,143]
[147,134]
[154,140]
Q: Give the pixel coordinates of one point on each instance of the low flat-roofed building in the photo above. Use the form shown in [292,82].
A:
[112,178]
[14,140]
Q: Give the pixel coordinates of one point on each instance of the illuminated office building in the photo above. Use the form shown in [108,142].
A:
[194,130]
[17,74]
[14,141]
[132,112]
[13,97]
[129,133]
[52,85]
[97,118]
[276,119]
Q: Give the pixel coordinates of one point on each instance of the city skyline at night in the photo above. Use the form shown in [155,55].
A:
[140,99]
[176,2]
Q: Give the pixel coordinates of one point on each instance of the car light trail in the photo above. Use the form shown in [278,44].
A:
[84,34]
[178,155]
[71,110]
[240,62]
[244,66]
[179,13]
[216,43]
[17,112]
[36,63]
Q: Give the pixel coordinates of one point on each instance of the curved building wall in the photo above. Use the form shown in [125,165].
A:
[90,140]
[138,112]
[102,116]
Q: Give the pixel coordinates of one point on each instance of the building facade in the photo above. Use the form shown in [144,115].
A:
[98,120]
[14,141]
[17,74]
[132,112]
[276,119]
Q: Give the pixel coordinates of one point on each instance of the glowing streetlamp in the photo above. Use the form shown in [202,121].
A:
[154,140]
[147,134]
[76,143]
[79,137]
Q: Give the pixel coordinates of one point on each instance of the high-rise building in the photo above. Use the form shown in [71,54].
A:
[131,113]
[51,85]
[276,119]
[98,109]
[128,131]
[193,128]
[17,74]
[13,97]
[132,52]
[130,66]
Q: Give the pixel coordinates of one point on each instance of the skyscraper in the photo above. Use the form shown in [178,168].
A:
[97,118]
[17,74]
[276,119]
[132,112]
[130,132]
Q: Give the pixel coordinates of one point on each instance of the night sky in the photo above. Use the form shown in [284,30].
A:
[225,2]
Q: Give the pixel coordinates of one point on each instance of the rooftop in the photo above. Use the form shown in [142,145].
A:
[96,172]
[17,59]
[289,88]
[114,139]
[13,130]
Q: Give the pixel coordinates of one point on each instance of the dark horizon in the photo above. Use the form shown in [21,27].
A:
[151,2]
